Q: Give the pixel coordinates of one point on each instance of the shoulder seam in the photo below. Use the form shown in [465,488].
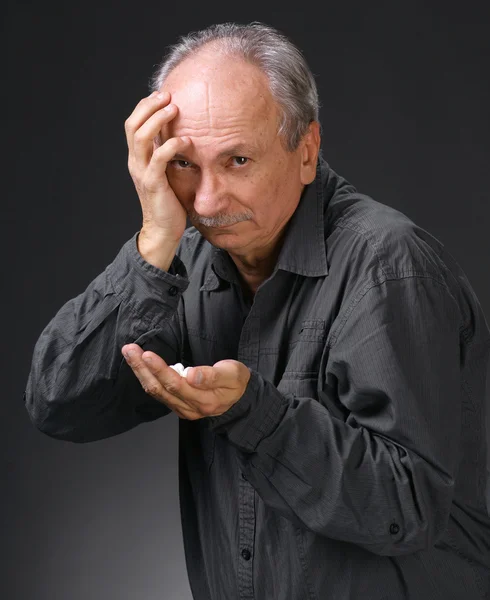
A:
[332,339]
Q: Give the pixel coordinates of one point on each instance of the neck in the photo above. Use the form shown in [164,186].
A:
[254,268]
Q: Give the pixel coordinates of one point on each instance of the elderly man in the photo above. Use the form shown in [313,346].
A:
[331,433]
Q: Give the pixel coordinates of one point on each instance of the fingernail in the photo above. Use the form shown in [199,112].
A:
[147,357]
[199,377]
[169,107]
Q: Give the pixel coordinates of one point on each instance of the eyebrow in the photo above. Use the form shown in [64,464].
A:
[237,150]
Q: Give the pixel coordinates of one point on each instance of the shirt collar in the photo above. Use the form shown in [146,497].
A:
[222,270]
[303,250]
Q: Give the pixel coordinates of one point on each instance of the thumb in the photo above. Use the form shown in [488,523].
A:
[223,374]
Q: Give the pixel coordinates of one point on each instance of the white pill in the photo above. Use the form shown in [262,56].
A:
[179,367]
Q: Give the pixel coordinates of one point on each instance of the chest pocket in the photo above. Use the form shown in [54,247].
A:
[306,349]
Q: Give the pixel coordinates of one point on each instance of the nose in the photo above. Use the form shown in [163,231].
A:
[208,200]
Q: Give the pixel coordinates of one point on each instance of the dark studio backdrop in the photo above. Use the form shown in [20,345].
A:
[405,94]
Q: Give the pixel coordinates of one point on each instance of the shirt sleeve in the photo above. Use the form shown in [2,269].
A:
[380,471]
[80,388]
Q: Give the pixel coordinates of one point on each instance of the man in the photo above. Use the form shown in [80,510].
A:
[331,434]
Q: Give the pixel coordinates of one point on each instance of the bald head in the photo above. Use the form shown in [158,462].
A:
[222,100]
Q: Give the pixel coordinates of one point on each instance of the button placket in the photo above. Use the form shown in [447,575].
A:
[246,536]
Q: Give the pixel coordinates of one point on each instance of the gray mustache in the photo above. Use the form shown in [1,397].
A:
[220,220]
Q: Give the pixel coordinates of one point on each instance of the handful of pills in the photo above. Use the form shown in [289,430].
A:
[179,367]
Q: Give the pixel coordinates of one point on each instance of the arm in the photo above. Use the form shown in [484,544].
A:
[80,388]
[383,477]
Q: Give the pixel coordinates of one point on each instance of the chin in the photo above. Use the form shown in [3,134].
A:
[223,240]
[229,241]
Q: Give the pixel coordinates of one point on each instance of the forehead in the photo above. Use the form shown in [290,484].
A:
[219,98]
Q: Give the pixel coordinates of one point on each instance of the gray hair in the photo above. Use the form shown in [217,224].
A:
[291,82]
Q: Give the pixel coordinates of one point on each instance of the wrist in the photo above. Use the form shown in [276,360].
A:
[158,251]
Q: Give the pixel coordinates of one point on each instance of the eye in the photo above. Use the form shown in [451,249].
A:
[241,160]
[180,164]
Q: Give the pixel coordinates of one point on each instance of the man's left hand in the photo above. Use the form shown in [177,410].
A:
[205,392]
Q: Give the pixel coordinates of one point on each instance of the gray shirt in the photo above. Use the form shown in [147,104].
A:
[354,465]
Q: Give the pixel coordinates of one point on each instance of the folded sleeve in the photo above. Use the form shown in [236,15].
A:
[79,387]
[373,460]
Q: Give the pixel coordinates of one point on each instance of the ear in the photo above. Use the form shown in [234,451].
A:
[309,148]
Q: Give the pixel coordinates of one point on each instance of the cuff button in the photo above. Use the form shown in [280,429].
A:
[394,528]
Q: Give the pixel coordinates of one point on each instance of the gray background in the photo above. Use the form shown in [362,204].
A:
[405,95]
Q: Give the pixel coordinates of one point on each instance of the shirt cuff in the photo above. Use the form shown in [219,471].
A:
[151,291]
[253,417]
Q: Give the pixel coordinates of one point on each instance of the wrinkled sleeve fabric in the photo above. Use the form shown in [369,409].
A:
[79,387]
[383,476]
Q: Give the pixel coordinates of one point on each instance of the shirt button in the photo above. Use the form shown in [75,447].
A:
[243,476]
[394,528]
[173,291]
[246,554]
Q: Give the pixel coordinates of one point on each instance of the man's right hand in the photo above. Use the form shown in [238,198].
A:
[164,218]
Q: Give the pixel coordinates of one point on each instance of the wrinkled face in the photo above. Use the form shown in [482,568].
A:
[237,183]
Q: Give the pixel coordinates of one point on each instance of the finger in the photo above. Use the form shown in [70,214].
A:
[144,137]
[150,381]
[176,386]
[218,376]
[153,175]
[141,113]
[143,110]
[168,378]
[173,387]
[132,353]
